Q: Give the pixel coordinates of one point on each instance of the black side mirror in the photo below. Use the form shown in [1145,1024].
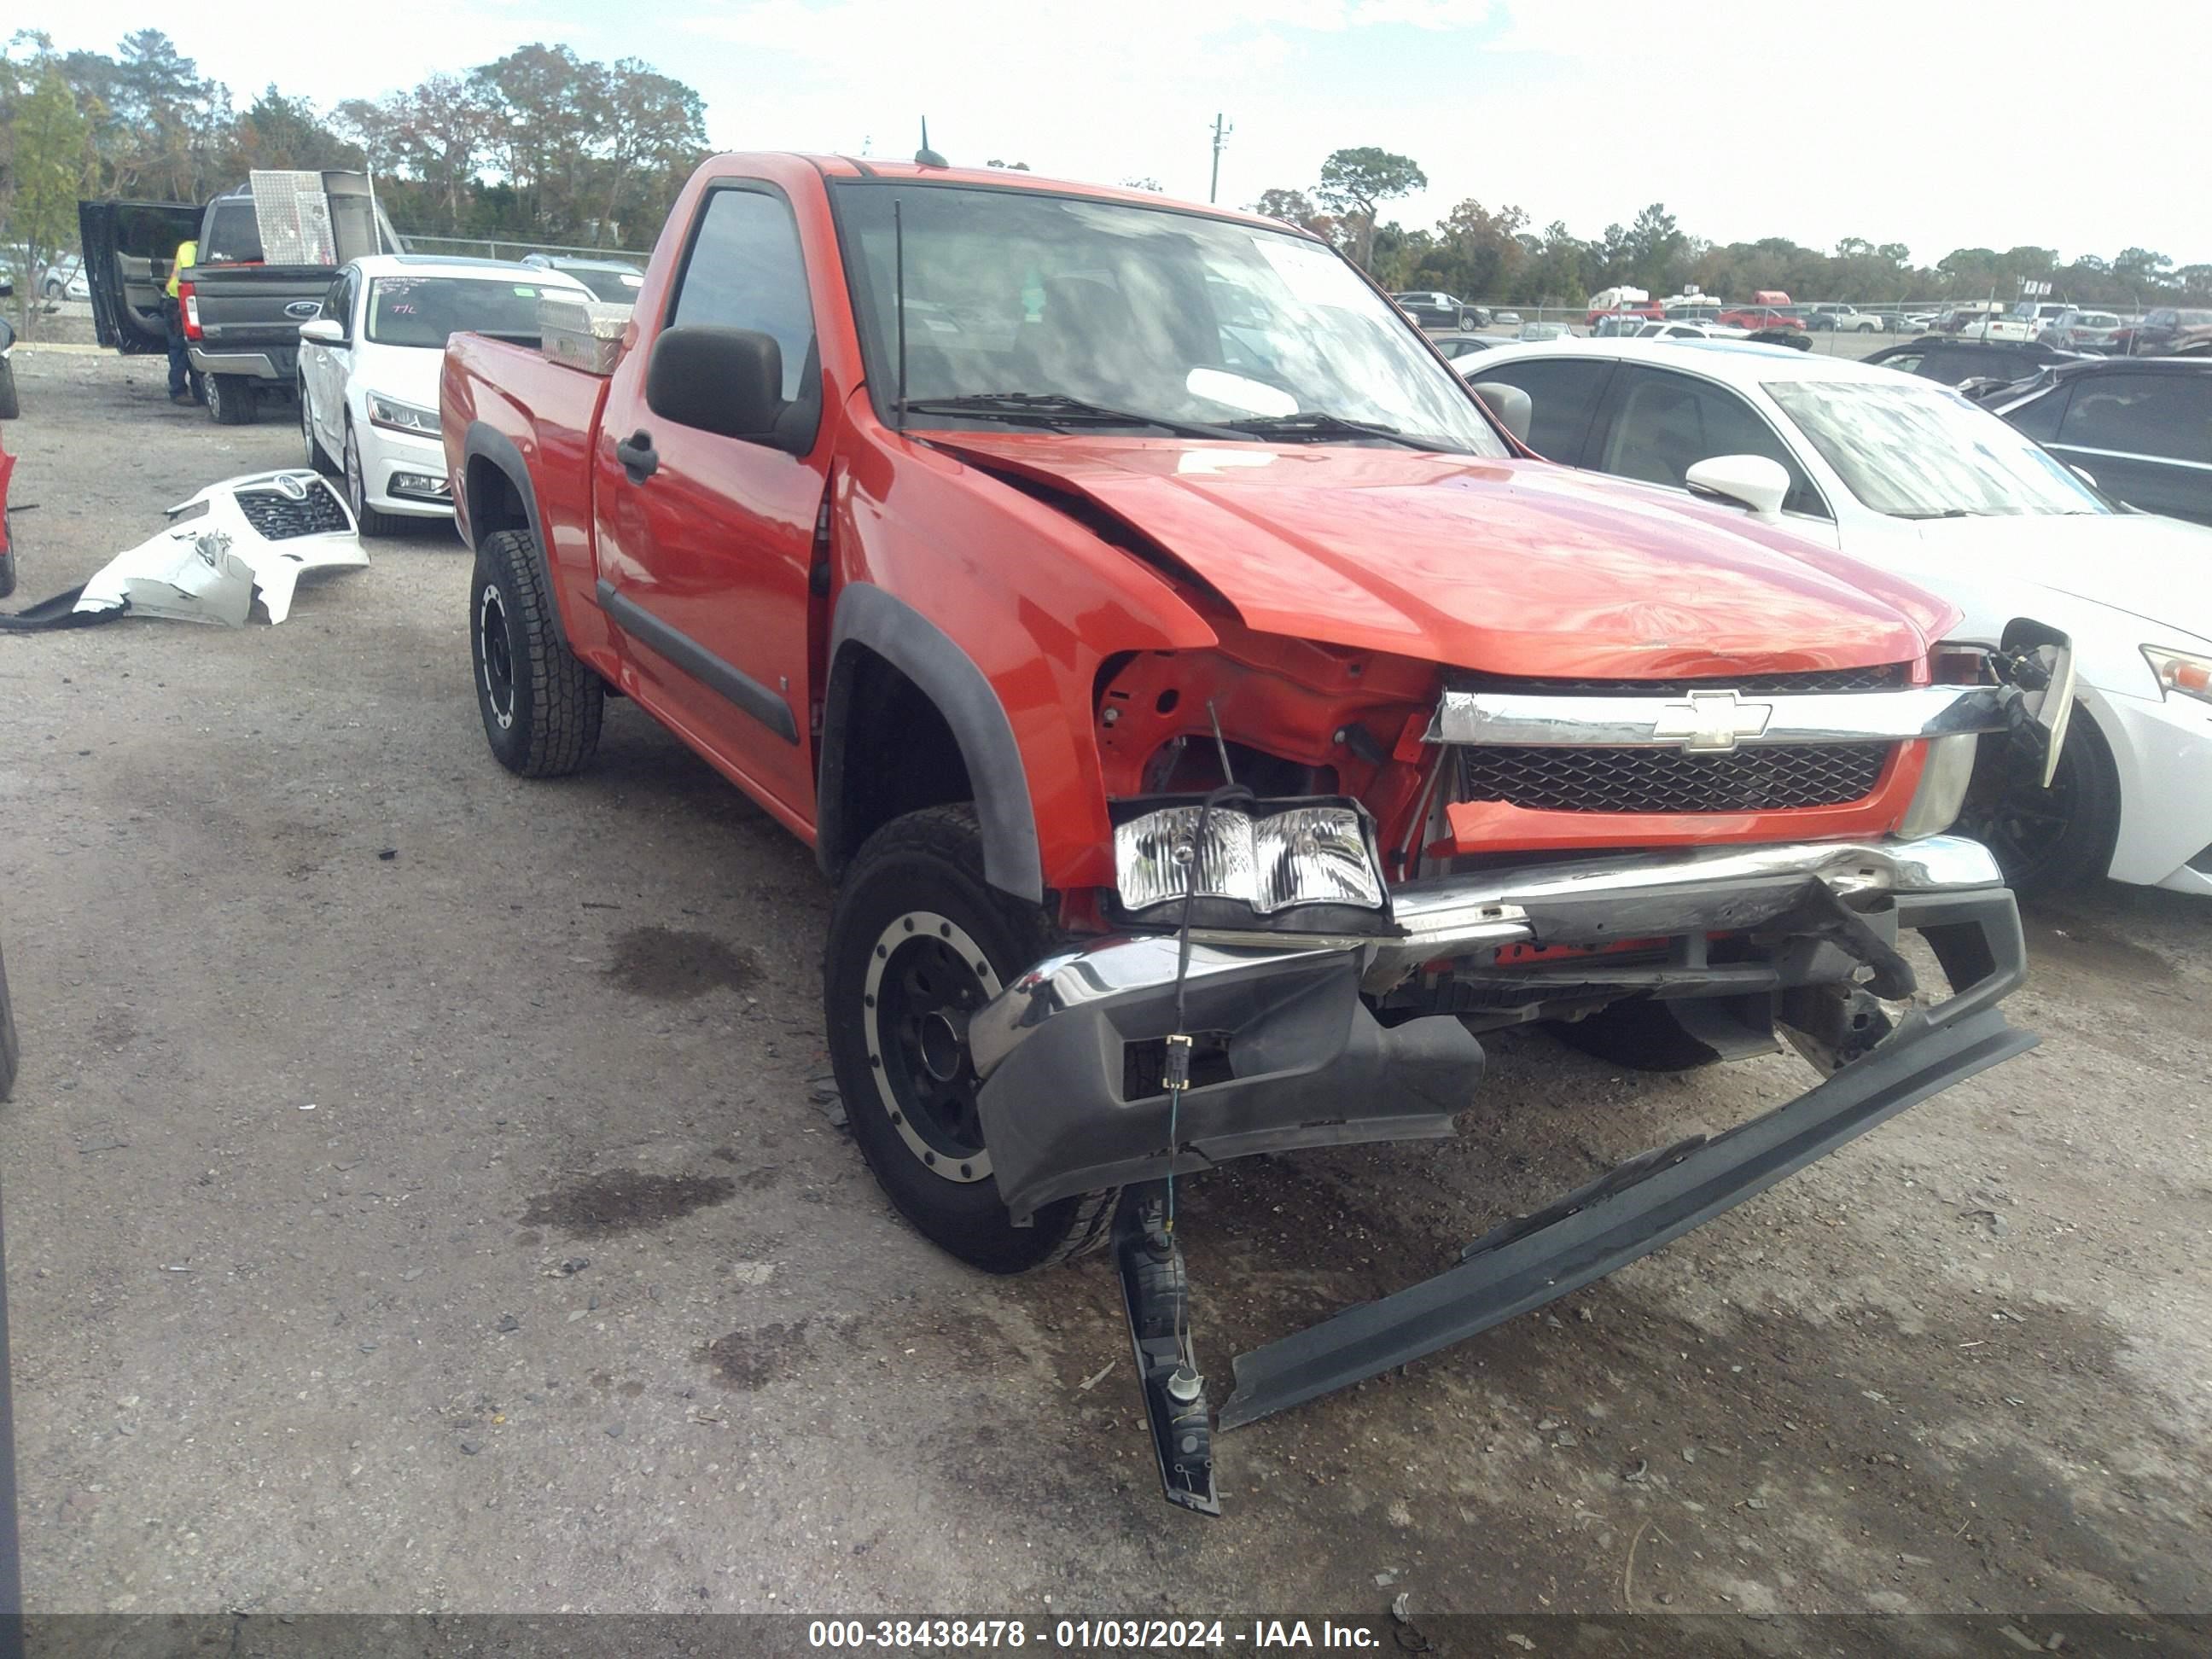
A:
[725,381]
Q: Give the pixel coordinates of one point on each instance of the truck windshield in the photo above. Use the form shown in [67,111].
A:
[1027,305]
[1920,451]
[422,311]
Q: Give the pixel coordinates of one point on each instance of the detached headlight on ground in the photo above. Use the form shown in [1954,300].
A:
[2181,671]
[402,418]
[1271,857]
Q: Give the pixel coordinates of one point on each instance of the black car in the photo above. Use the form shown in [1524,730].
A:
[1456,346]
[1434,310]
[1956,363]
[2141,426]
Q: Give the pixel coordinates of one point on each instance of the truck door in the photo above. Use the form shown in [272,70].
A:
[128,246]
[706,544]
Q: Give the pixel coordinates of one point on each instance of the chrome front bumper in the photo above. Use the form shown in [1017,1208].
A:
[1584,901]
[1307,1062]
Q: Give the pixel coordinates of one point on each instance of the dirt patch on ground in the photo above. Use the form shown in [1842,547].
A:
[621,1199]
[670,965]
[748,1360]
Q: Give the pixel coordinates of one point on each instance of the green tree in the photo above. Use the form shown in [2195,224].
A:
[1355,183]
[434,136]
[1654,250]
[286,132]
[651,132]
[47,169]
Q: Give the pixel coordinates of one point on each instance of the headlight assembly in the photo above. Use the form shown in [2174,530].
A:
[402,418]
[2181,671]
[1263,858]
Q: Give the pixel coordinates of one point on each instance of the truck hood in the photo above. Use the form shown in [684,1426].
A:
[1518,567]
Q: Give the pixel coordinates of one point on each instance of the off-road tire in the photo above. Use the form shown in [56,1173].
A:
[366,520]
[11,407]
[932,862]
[2075,845]
[317,457]
[541,706]
[7,573]
[232,399]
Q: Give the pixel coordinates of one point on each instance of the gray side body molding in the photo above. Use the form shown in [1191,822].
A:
[918,649]
[489,444]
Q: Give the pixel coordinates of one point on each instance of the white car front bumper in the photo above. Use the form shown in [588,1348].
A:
[2163,750]
[405,473]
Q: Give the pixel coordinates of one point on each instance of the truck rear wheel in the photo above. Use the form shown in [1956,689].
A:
[231,399]
[541,705]
[919,941]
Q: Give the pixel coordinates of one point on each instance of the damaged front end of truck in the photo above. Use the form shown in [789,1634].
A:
[1300,970]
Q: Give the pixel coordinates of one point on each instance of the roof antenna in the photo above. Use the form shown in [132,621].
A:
[899,296]
[926,157]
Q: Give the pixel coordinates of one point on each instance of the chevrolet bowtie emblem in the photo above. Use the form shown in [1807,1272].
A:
[1712,722]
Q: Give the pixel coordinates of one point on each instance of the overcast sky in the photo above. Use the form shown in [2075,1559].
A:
[1937,124]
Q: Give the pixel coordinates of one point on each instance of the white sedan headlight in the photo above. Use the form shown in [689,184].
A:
[1268,857]
[2181,671]
[402,418]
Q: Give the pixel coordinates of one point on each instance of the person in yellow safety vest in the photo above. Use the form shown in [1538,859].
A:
[173,315]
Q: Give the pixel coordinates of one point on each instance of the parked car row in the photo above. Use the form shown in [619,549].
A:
[1907,475]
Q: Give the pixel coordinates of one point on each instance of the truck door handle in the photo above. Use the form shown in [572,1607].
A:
[636,454]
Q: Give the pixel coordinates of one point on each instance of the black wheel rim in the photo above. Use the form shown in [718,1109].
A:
[925,978]
[2023,824]
[495,654]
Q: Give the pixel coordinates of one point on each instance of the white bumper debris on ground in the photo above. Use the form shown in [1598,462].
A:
[244,538]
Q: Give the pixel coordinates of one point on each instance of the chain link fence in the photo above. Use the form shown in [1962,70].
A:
[494,247]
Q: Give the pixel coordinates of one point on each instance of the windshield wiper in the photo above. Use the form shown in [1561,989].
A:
[1936,513]
[1050,409]
[1319,423]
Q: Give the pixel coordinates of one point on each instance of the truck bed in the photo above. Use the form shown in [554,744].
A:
[549,413]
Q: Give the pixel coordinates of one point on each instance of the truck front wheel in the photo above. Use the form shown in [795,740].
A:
[918,942]
[541,705]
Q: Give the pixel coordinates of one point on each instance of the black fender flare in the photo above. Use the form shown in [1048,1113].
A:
[487,444]
[868,616]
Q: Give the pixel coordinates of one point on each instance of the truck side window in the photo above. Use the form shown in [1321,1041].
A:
[744,272]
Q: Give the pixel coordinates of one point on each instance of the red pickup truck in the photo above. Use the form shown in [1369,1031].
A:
[1215,720]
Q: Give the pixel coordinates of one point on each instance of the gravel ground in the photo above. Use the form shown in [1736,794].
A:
[418,1198]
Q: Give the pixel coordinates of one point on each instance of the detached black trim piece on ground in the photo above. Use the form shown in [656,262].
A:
[1651,1200]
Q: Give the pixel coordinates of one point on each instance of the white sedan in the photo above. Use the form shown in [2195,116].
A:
[369,363]
[1904,473]
[1671,330]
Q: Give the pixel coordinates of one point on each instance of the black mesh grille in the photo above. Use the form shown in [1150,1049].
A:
[1886,677]
[279,518]
[1753,779]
